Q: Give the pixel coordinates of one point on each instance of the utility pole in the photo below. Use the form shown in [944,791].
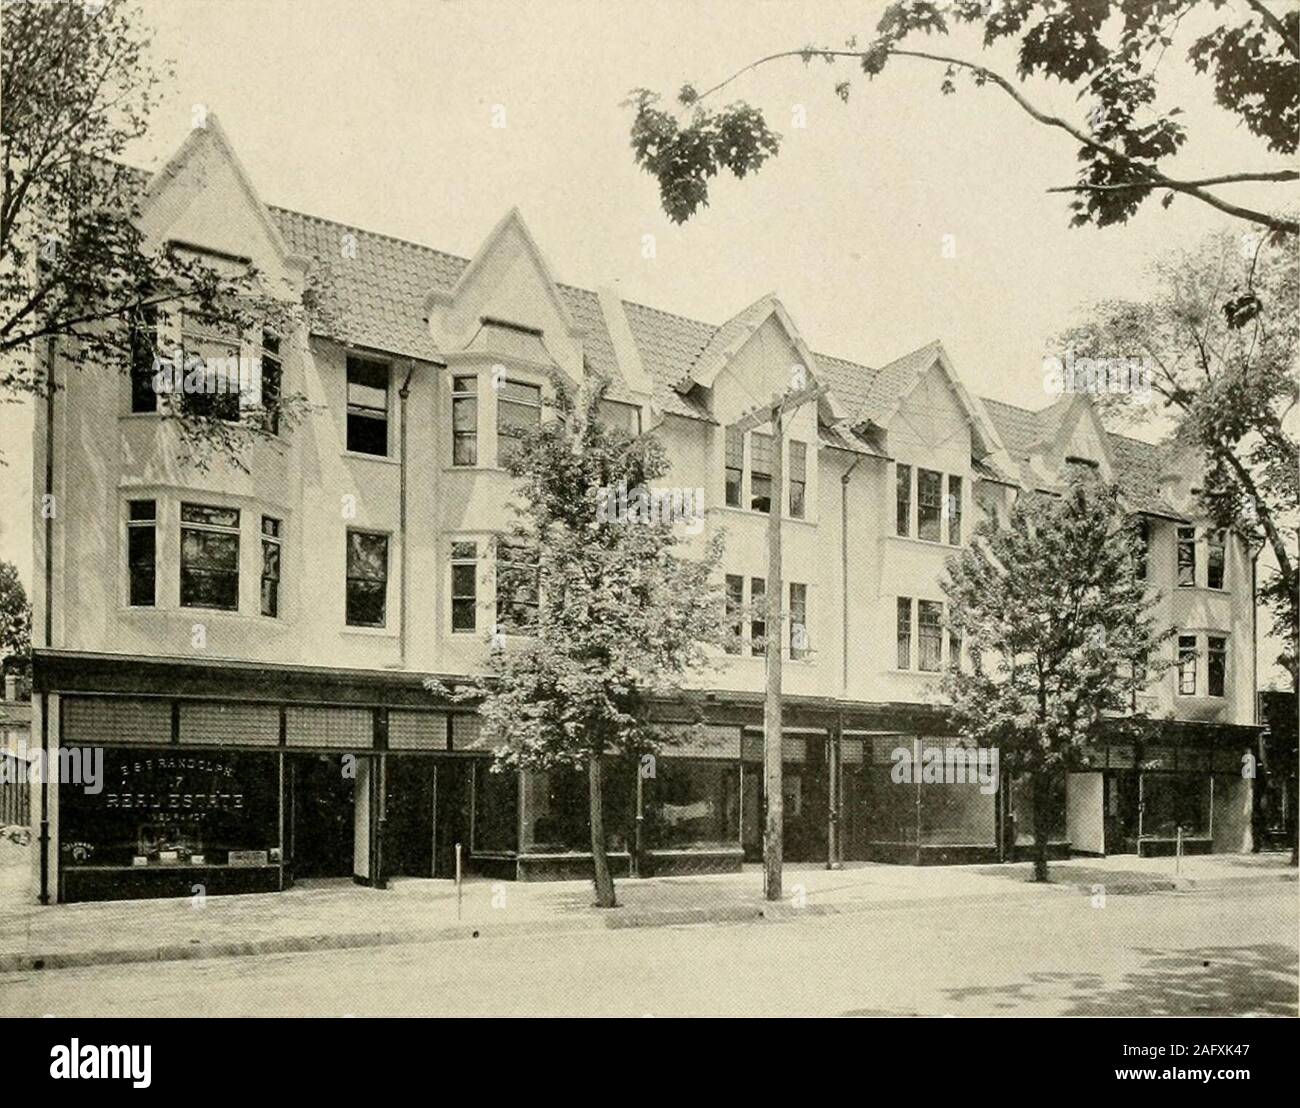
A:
[773,835]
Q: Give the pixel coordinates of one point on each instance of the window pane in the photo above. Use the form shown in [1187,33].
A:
[1187,665]
[365,604]
[1186,557]
[141,559]
[757,616]
[367,556]
[1216,665]
[141,509]
[798,621]
[904,632]
[209,550]
[213,517]
[903,497]
[735,603]
[954,510]
[929,621]
[929,509]
[143,336]
[1214,560]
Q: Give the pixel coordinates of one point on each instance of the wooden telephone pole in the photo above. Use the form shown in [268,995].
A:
[773,835]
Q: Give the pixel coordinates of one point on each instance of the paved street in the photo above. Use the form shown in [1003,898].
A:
[1217,952]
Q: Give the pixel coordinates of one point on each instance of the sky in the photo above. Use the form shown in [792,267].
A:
[380,114]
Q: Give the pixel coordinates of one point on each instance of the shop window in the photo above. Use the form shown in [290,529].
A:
[367,431]
[798,479]
[1186,557]
[517,587]
[1216,665]
[799,621]
[367,579]
[735,606]
[464,586]
[271,535]
[1215,559]
[209,557]
[760,472]
[496,810]
[212,385]
[903,499]
[735,466]
[692,804]
[143,335]
[142,552]
[929,635]
[757,616]
[272,381]
[519,411]
[1186,665]
[464,421]
[1171,801]
[1024,816]
[904,632]
[954,510]
[929,505]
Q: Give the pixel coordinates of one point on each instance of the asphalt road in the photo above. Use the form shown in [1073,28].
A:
[1208,953]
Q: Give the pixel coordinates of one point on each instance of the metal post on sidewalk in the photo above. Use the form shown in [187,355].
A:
[1178,851]
[458,885]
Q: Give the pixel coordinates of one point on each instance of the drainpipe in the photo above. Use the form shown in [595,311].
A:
[403,395]
[47,511]
[835,848]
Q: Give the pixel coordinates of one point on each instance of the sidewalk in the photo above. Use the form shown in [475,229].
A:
[339,914]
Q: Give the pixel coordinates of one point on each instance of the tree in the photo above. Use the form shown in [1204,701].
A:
[1107,50]
[1219,335]
[75,269]
[1059,632]
[621,617]
[15,617]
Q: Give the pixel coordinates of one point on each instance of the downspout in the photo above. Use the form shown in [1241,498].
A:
[403,395]
[47,503]
[835,848]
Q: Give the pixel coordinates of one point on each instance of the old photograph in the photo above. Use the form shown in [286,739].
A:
[720,508]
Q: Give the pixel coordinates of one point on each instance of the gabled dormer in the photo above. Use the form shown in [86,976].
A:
[1070,433]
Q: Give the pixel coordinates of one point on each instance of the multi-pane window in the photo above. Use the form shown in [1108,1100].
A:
[1186,665]
[954,510]
[735,605]
[1215,559]
[798,621]
[929,505]
[904,632]
[367,579]
[1144,548]
[367,406]
[211,386]
[209,557]
[760,472]
[519,410]
[798,479]
[143,335]
[903,518]
[929,635]
[1186,557]
[735,466]
[464,421]
[464,586]
[142,551]
[272,378]
[757,616]
[518,572]
[271,535]
[1216,665]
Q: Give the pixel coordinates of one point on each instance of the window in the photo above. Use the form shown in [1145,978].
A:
[1186,665]
[519,410]
[903,520]
[798,478]
[1186,556]
[141,552]
[464,586]
[735,465]
[272,376]
[929,635]
[1144,548]
[1215,559]
[464,421]
[735,605]
[209,557]
[904,632]
[954,511]
[798,621]
[367,579]
[212,385]
[757,616]
[1216,665]
[517,587]
[615,413]
[929,504]
[367,407]
[270,566]
[143,335]
[760,472]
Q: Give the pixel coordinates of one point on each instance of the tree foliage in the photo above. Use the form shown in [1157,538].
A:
[1107,50]
[75,268]
[1059,630]
[15,616]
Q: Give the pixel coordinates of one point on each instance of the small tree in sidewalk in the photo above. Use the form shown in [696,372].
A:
[621,616]
[1060,635]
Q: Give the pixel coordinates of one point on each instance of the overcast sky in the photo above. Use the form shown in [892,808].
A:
[379,114]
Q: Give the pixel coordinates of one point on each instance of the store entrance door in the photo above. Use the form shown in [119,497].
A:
[451,818]
[322,811]
[408,845]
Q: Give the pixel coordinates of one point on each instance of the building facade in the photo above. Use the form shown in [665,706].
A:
[250,649]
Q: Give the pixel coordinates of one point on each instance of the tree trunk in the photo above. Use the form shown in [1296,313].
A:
[1042,797]
[599,858]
